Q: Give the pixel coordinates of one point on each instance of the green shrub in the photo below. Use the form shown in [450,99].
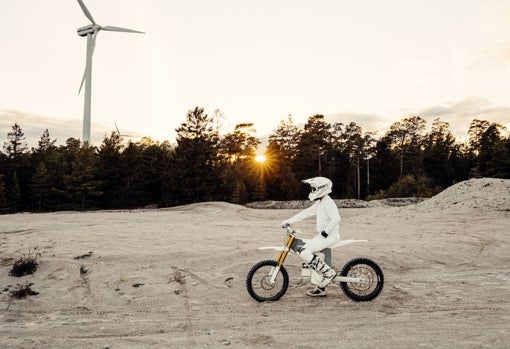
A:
[407,186]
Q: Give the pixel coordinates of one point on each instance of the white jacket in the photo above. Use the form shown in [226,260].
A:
[328,218]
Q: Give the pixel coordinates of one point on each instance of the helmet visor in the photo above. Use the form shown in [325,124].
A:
[314,189]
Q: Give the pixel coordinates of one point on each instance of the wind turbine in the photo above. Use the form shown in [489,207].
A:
[90,31]
[118,132]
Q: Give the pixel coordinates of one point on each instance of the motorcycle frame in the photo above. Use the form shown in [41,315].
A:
[284,251]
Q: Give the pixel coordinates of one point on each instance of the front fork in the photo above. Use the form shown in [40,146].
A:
[282,255]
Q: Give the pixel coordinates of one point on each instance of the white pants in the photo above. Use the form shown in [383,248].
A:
[318,243]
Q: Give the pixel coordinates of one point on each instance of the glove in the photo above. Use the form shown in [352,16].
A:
[285,224]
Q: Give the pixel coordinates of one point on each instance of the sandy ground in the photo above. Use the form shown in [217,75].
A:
[175,278]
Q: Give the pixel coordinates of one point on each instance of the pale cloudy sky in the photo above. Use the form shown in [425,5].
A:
[372,62]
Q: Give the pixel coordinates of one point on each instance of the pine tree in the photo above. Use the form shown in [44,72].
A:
[238,149]
[286,138]
[491,151]
[241,144]
[41,186]
[45,143]
[314,149]
[82,182]
[194,171]
[14,193]
[4,204]
[281,151]
[16,145]
[351,143]
[109,170]
[406,136]
[500,165]
[260,191]
[132,180]
[475,132]
[155,164]
[385,165]
[438,149]
[239,194]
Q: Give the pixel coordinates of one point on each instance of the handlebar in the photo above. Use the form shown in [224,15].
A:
[290,230]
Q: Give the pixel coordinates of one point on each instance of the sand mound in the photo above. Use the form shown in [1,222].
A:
[482,193]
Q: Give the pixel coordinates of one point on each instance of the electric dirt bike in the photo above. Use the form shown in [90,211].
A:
[361,279]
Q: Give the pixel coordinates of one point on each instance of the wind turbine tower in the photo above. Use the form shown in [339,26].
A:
[91,31]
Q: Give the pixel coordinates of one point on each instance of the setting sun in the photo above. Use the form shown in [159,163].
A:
[260,158]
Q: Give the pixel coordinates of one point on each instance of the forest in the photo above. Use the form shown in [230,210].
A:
[205,164]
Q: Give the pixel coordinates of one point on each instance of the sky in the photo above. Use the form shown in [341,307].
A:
[371,62]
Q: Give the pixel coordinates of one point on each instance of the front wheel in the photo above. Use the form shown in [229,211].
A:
[259,285]
[370,274]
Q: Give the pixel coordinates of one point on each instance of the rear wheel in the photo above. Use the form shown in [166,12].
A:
[371,276]
[258,281]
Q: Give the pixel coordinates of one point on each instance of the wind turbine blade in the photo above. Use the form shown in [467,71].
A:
[86,11]
[91,54]
[117,29]
[82,80]
[94,36]
[118,132]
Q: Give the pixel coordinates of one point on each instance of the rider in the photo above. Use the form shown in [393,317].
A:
[328,230]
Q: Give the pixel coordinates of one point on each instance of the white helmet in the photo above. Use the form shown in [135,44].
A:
[321,186]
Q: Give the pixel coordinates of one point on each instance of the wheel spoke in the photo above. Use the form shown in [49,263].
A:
[259,285]
[371,280]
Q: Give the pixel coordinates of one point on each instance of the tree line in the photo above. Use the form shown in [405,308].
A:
[205,165]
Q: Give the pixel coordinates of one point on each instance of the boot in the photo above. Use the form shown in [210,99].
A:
[322,268]
[317,292]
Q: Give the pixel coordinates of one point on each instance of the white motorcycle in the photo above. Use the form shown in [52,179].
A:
[361,279]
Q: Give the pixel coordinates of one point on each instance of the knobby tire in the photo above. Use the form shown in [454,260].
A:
[256,282]
[355,291]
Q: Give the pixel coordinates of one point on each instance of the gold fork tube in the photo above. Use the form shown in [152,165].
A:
[283,254]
